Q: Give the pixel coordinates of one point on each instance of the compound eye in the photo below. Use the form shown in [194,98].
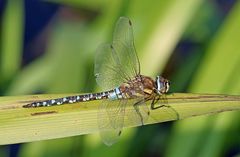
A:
[169,83]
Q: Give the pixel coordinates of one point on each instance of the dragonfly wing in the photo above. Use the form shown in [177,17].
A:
[117,62]
[107,71]
[111,120]
[123,43]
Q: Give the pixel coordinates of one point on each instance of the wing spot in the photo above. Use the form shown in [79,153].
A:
[130,23]
[119,133]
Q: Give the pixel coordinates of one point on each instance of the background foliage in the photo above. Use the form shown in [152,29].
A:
[49,47]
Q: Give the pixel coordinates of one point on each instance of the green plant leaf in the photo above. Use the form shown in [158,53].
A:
[20,124]
[12,34]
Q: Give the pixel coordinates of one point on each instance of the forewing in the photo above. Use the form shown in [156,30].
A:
[111,120]
[117,62]
[108,71]
[123,43]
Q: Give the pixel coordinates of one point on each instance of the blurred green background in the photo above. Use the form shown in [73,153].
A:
[49,46]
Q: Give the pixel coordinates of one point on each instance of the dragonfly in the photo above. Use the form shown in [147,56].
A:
[117,71]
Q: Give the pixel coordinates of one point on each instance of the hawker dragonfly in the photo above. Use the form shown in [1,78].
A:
[117,71]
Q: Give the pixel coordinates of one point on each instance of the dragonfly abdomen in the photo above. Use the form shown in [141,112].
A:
[112,94]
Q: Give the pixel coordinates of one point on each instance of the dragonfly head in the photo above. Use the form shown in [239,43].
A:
[162,85]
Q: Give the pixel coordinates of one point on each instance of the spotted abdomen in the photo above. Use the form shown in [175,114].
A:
[112,94]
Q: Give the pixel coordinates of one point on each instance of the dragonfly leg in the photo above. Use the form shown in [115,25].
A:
[165,104]
[136,107]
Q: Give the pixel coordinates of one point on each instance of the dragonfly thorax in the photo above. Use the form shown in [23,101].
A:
[144,86]
[162,85]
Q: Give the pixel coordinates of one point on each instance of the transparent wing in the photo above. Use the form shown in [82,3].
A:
[108,70]
[117,62]
[111,120]
[123,43]
[111,117]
